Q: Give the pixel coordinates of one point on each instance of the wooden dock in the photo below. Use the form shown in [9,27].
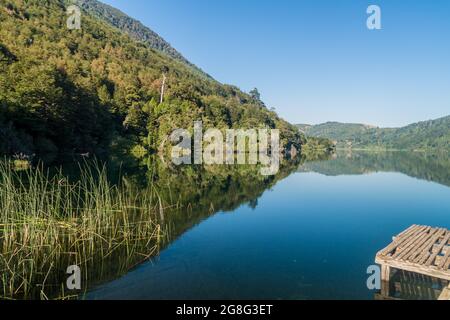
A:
[419,249]
[405,285]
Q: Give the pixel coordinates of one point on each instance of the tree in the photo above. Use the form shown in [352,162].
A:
[165,70]
[136,119]
[75,92]
[255,95]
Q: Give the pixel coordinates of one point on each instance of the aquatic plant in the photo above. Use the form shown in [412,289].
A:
[48,223]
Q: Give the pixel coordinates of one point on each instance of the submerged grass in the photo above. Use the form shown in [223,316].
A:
[48,223]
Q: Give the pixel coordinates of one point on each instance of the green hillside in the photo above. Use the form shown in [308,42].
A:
[335,131]
[433,134]
[132,27]
[78,91]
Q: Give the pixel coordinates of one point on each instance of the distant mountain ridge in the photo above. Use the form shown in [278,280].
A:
[432,134]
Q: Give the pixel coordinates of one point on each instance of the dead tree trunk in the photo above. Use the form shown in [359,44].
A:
[163,87]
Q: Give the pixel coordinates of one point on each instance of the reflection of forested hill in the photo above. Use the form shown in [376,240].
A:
[181,198]
[430,167]
[196,193]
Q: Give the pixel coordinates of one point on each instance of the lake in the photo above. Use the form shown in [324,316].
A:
[309,234]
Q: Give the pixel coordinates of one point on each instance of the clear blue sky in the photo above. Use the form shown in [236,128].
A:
[315,60]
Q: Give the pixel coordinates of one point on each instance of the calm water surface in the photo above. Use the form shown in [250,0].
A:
[311,236]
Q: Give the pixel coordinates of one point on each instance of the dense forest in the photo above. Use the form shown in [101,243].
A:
[132,27]
[433,134]
[85,91]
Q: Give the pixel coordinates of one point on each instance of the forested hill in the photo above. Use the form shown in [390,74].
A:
[132,27]
[78,91]
[433,134]
[335,131]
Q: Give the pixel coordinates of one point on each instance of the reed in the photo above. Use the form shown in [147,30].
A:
[48,223]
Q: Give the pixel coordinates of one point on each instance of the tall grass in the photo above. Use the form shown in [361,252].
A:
[48,223]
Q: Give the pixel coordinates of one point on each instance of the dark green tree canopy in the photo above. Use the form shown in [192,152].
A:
[78,91]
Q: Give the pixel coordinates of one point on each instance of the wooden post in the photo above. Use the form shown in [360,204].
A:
[385,277]
[445,295]
[385,273]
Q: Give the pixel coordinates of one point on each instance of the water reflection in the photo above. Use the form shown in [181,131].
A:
[425,166]
[187,195]
[312,237]
[406,285]
[149,204]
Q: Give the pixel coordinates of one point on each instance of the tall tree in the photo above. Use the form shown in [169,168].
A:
[255,94]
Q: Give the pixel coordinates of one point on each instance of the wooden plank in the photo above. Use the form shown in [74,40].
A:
[412,244]
[445,295]
[385,273]
[447,264]
[427,247]
[405,233]
[400,240]
[433,236]
[438,251]
[412,267]
[421,249]
[443,265]
[443,250]
[409,240]
[438,261]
